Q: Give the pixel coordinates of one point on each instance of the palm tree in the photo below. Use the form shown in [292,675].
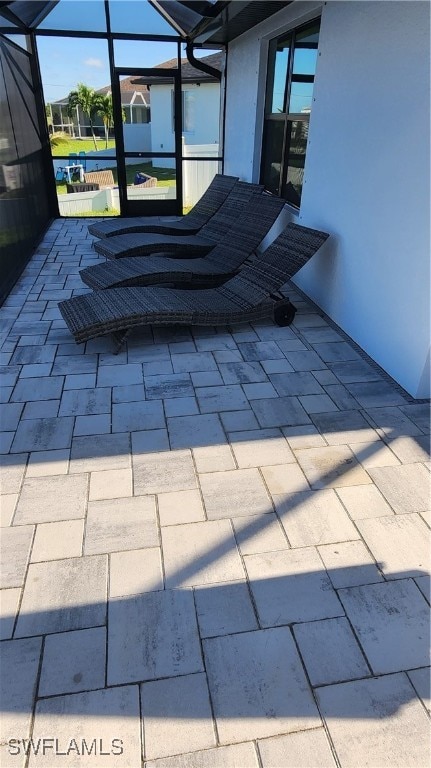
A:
[88,101]
[105,110]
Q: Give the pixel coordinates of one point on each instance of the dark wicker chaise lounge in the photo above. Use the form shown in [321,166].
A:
[139,244]
[206,207]
[223,261]
[248,296]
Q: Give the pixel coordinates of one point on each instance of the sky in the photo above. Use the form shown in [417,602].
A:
[65,62]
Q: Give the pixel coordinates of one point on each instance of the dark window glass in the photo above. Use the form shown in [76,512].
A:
[289,93]
[272,157]
[280,71]
[309,34]
[297,142]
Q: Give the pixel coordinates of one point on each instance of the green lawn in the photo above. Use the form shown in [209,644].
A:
[80,145]
[164,176]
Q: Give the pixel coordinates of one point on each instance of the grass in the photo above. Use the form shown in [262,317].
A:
[92,214]
[165,176]
[80,145]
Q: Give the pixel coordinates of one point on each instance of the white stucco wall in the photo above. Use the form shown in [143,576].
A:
[206,117]
[367,170]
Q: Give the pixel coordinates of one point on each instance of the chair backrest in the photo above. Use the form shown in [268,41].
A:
[248,231]
[82,159]
[102,178]
[222,221]
[280,261]
[211,200]
[73,158]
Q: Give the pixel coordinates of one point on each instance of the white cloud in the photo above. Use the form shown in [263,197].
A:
[94,63]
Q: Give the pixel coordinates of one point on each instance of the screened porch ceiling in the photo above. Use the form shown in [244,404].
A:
[206,21]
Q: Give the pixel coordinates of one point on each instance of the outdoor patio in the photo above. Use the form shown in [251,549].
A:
[215,545]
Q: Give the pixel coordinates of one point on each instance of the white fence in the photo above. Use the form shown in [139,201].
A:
[197,175]
[108,199]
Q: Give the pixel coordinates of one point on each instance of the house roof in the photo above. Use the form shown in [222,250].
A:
[129,86]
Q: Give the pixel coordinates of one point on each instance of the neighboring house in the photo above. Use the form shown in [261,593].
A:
[200,108]
[154,103]
[362,175]
[135,100]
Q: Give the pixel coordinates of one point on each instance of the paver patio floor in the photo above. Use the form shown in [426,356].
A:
[215,544]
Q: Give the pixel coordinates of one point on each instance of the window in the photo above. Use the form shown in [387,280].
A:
[289,96]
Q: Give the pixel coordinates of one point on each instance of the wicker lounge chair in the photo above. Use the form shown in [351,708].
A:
[223,261]
[141,244]
[206,207]
[249,296]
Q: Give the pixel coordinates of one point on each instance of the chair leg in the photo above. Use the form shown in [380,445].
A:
[284,312]
[119,337]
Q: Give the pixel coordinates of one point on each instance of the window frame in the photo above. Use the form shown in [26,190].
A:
[286,117]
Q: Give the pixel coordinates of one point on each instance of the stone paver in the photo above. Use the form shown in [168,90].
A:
[259,534]
[200,553]
[235,493]
[391,621]
[151,636]
[118,524]
[314,517]
[133,572]
[381,718]
[46,499]
[401,543]
[128,417]
[421,680]
[257,685]
[339,657]
[42,463]
[100,452]
[180,507]
[15,546]
[349,564]
[253,492]
[57,541]
[195,431]
[363,501]
[297,750]
[163,472]
[291,586]
[280,412]
[43,434]
[406,488]
[9,602]
[332,467]
[164,732]
[111,713]
[110,484]
[73,661]
[224,609]
[18,671]
[233,756]
[260,447]
[63,594]
[227,398]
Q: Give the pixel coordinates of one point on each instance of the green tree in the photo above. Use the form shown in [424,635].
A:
[88,101]
[106,112]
